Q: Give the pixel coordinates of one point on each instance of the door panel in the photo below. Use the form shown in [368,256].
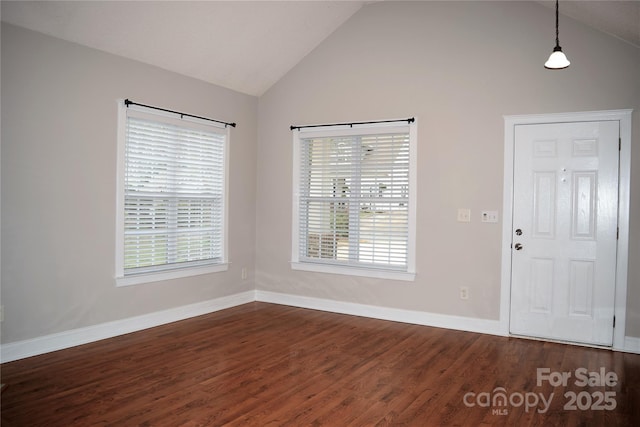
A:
[564,231]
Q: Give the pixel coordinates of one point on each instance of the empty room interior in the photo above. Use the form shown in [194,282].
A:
[320,213]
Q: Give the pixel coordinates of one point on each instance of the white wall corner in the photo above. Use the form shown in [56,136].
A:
[467,324]
[45,344]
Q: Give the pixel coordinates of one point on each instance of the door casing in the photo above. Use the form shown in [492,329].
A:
[624,119]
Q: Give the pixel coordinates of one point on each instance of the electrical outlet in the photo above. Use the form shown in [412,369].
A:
[244,273]
[1,313]
[464,292]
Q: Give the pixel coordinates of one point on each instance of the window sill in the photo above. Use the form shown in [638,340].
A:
[169,274]
[354,271]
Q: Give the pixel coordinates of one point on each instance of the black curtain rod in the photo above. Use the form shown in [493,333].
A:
[409,120]
[128,102]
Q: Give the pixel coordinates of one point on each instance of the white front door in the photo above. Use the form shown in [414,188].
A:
[565,208]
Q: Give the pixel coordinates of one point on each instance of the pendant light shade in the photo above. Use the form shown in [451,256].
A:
[557,60]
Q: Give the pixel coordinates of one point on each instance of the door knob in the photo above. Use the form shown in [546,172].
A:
[518,246]
[518,232]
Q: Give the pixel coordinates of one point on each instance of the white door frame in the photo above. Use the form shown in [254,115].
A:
[624,118]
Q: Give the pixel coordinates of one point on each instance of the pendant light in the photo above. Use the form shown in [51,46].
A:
[557,60]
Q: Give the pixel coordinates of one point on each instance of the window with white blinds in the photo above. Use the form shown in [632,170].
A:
[172,210]
[354,199]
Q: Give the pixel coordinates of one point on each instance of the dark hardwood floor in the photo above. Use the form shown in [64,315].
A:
[269,365]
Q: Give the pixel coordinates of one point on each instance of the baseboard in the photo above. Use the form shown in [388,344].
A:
[468,324]
[59,341]
[33,347]
[631,345]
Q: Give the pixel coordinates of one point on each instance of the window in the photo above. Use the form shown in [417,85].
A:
[354,199]
[172,174]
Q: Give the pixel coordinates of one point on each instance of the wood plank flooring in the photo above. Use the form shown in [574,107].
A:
[269,365]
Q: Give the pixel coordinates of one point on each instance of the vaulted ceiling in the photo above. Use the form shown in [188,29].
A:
[242,45]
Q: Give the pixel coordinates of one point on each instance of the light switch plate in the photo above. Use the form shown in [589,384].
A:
[489,216]
[464,215]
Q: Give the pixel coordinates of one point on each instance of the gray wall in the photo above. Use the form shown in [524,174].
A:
[458,67]
[59,119]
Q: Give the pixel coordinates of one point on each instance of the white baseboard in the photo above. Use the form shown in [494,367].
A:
[468,324]
[631,345]
[33,347]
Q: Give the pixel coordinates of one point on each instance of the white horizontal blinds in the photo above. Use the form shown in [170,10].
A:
[174,193]
[384,212]
[354,197]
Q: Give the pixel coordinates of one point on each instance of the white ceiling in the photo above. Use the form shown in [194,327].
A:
[242,45]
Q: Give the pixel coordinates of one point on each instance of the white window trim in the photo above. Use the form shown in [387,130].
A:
[380,273]
[174,273]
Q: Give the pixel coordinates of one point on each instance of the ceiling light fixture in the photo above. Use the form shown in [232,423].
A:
[557,60]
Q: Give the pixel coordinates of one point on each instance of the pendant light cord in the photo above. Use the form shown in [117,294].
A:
[557,31]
